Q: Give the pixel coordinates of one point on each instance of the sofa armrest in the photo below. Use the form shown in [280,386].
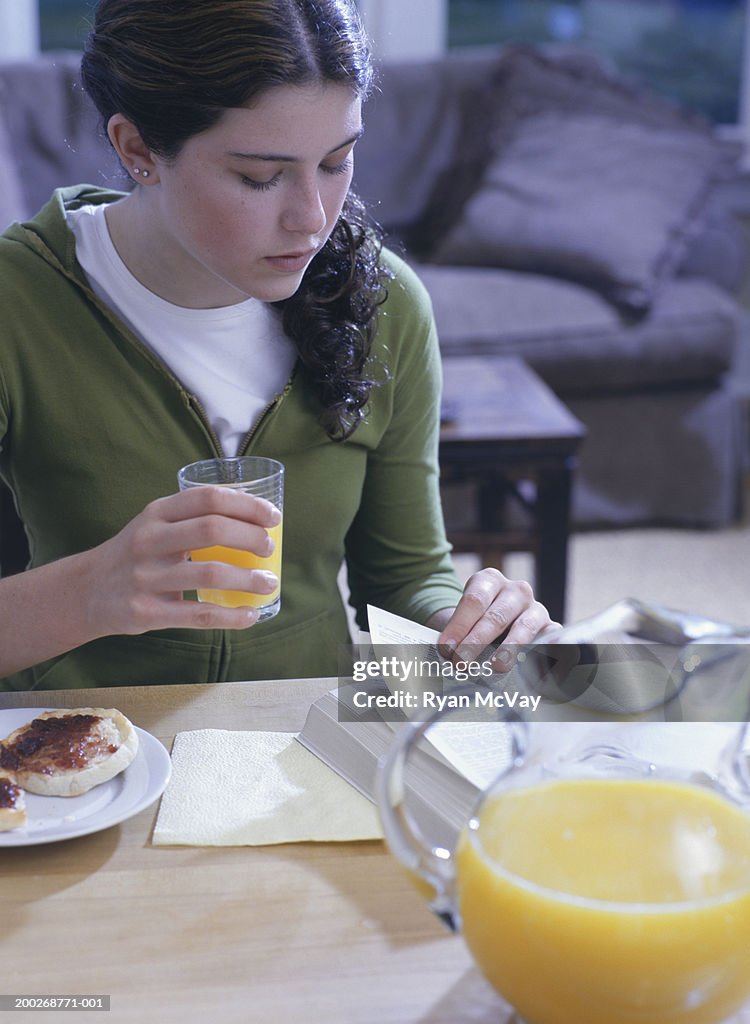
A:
[720,249]
[12,204]
[54,128]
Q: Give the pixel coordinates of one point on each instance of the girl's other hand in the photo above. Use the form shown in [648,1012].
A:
[492,607]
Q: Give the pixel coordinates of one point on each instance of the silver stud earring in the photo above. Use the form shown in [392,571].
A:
[144,173]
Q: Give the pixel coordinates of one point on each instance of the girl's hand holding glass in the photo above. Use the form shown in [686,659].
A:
[139,577]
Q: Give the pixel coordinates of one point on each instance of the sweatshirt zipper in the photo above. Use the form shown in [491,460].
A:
[197,409]
[266,412]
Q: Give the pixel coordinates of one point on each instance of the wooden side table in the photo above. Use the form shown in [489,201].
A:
[510,443]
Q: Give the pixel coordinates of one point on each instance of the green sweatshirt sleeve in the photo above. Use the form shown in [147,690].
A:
[397,552]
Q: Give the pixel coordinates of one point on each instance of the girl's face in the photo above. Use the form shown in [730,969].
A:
[247,204]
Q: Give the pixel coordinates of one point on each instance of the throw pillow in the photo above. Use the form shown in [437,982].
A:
[589,180]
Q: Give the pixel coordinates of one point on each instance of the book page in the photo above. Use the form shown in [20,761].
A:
[387,628]
[479,750]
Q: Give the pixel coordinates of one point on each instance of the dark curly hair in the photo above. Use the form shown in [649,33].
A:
[172,67]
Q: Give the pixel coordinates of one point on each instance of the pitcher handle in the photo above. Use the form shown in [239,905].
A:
[431,866]
[736,764]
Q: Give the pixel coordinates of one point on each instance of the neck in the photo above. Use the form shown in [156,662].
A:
[145,249]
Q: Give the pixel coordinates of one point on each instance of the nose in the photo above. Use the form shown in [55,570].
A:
[304,213]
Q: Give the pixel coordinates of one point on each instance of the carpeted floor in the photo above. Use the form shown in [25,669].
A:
[701,571]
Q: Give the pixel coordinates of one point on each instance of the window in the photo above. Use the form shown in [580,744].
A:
[688,50]
[64,24]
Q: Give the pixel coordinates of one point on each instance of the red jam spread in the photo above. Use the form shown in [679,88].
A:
[53,745]
[9,793]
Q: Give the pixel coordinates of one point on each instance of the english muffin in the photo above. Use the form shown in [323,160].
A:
[68,752]
[12,803]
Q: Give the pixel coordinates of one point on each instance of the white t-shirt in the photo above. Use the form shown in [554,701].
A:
[234,359]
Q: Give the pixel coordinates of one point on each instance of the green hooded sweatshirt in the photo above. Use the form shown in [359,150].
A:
[93,426]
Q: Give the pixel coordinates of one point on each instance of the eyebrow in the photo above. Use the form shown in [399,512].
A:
[281,158]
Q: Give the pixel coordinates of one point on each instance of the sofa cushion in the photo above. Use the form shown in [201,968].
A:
[12,205]
[589,180]
[574,338]
[423,135]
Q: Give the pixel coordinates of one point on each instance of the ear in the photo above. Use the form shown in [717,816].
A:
[136,157]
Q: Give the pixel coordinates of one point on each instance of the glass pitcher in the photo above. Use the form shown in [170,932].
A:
[604,876]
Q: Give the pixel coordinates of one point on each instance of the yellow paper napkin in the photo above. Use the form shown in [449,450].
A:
[254,789]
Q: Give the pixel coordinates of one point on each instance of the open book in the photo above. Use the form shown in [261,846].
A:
[448,770]
[631,662]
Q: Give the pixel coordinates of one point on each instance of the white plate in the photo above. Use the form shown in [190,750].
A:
[53,818]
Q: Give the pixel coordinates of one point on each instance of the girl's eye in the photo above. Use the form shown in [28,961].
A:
[260,186]
[341,168]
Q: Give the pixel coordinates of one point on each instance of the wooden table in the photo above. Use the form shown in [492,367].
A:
[509,437]
[315,933]
[311,933]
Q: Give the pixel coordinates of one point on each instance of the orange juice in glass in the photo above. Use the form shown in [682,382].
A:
[253,475]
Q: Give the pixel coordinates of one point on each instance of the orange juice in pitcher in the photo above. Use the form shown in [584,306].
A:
[587,901]
[603,882]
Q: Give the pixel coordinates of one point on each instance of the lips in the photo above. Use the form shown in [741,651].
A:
[291,262]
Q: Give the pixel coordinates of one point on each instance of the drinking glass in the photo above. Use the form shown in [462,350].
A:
[252,475]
